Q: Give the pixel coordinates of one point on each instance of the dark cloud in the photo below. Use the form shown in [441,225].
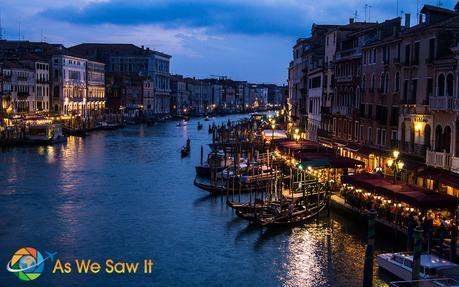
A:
[221,17]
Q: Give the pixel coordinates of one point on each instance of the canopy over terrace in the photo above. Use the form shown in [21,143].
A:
[418,197]
[297,146]
[327,160]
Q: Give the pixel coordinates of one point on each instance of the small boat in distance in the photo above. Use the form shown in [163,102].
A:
[200,126]
[186,149]
[179,124]
[432,267]
[206,118]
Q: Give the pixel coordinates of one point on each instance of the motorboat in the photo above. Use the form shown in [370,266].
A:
[215,161]
[45,134]
[432,267]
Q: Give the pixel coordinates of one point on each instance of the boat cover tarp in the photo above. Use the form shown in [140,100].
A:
[276,134]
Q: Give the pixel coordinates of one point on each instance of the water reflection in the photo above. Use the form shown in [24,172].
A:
[127,193]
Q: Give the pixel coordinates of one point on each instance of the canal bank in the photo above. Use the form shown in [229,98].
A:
[127,195]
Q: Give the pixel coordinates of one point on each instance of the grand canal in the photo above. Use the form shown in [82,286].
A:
[127,195]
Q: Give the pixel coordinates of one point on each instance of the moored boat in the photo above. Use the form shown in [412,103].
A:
[400,265]
[45,134]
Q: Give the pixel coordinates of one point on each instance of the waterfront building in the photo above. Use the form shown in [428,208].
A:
[131,59]
[69,85]
[95,100]
[378,111]
[149,99]
[42,86]
[179,95]
[18,87]
[428,124]
[333,40]
[200,94]
[296,104]
[160,62]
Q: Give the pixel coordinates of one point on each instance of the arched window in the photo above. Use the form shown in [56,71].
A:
[386,85]
[427,132]
[447,139]
[403,136]
[397,82]
[381,82]
[351,97]
[438,139]
[449,85]
[441,85]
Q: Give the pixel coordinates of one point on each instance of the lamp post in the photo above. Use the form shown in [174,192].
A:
[395,164]
[273,126]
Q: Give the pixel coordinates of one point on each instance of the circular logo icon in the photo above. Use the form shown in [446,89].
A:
[27,264]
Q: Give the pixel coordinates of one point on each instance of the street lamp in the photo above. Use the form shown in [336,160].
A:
[395,164]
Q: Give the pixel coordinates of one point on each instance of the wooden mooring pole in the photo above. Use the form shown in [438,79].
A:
[417,250]
[369,253]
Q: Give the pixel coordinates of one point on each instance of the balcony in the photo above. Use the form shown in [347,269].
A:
[438,159]
[441,103]
[342,110]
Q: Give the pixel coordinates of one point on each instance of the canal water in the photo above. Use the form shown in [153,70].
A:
[126,195]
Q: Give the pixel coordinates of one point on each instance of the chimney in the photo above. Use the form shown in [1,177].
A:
[351,20]
[143,47]
[407,20]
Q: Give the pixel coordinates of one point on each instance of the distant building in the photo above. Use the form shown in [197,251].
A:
[95,76]
[18,94]
[77,85]
[130,59]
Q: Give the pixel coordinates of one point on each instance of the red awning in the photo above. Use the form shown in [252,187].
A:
[335,161]
[413,195]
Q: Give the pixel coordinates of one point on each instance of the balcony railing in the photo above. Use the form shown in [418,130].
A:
[441,103]
[346,111]
[455,164]
[438,159]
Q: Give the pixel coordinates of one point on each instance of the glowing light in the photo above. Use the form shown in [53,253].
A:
[390,162]
[395,153]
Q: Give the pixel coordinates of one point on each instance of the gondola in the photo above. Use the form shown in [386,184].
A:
[185,151]
[206,118]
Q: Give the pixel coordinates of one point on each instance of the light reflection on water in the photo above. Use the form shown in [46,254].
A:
[127,194]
